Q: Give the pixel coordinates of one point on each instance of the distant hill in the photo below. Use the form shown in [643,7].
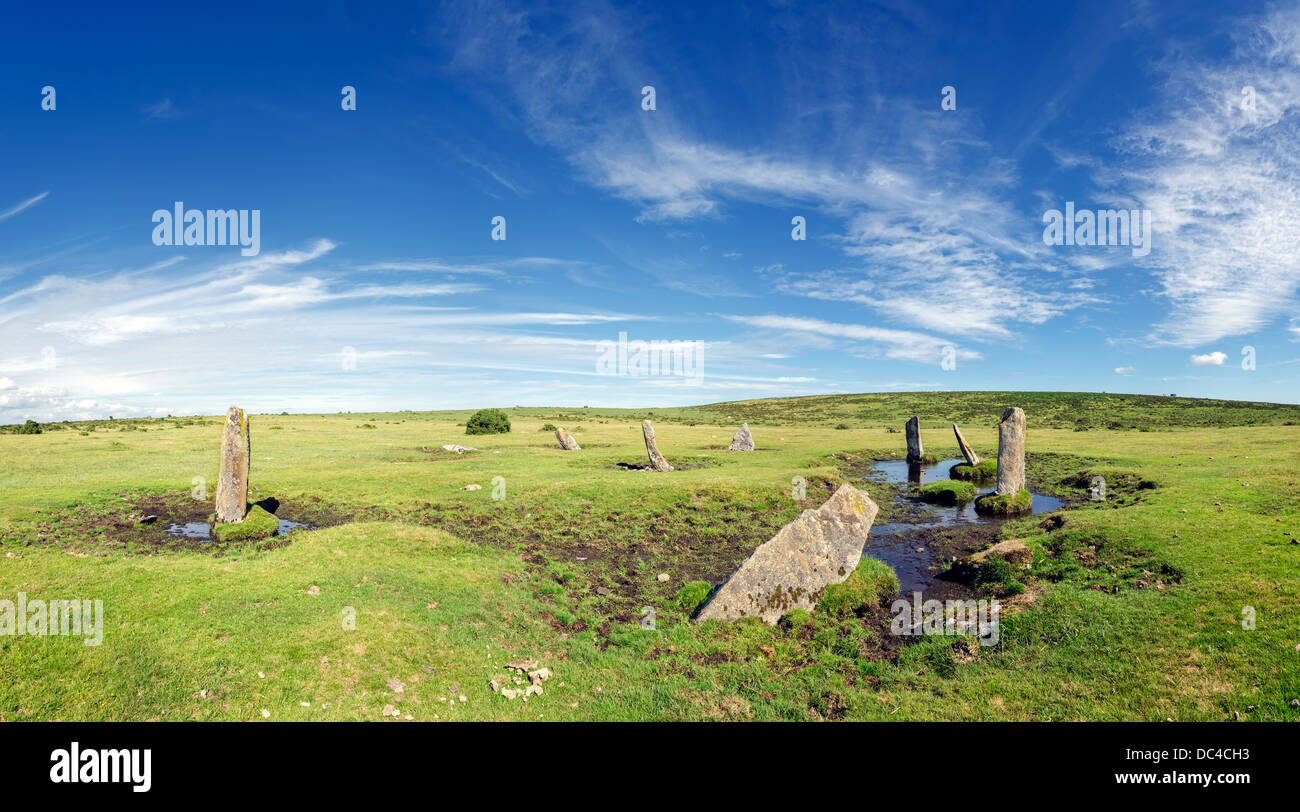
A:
[1073,410]
[1066,410]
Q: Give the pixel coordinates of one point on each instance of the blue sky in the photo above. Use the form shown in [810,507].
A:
[378,285]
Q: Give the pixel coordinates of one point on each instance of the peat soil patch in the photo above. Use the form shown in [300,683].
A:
[146,523]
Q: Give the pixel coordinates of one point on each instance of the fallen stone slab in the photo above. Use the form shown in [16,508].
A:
[793,568]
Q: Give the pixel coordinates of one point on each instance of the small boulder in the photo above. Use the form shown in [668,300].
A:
[1012,550]
[566,440]
[743,441]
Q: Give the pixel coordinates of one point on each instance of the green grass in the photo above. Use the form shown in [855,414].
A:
[257,524]
[985,471]
[1132,610]
[948,492]
[997,504]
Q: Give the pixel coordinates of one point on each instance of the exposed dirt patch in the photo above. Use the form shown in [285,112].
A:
[678,463]
[140,524]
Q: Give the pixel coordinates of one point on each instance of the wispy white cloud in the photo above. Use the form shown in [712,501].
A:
[887,343]
[23,206]
[1212,359]
[1223,184]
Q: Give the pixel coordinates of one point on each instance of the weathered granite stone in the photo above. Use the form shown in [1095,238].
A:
[1013,551]
[566,440]
[914,450]
[232,475]
[743,441]
[1011,452]
[791,570]
[972,459]
[657,460]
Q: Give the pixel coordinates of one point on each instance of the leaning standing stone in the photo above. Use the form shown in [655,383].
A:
[657,460]
[743,441]
[792,569]
[566,440]
[914,451]
[972,459]
[232,476]
[1011,452]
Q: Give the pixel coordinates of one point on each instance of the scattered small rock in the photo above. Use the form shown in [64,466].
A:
[473,487]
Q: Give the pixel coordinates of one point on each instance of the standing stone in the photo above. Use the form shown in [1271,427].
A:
[232,476]
[972,459]
[1011,452]
[914,451]
[566,440]
[792,569]
[657,460]
[743,441]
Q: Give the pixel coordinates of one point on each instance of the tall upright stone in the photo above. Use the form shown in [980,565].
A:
[972,459]
[566,440]
[743,441]
[232,476]
[792,569]
[914,450]
[1011,452]
[657,460]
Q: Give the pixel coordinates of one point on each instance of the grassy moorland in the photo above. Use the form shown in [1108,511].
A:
[1132,609]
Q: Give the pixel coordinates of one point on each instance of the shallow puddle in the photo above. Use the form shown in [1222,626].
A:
[202,531]
[901,544]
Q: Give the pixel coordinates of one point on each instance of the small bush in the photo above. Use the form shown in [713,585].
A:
[841,426]
[548,427]
[488,421]
[30,427]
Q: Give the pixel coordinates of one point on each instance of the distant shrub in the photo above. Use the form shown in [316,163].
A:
[488,421]
[841,426]
[30,427]
[548,427]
